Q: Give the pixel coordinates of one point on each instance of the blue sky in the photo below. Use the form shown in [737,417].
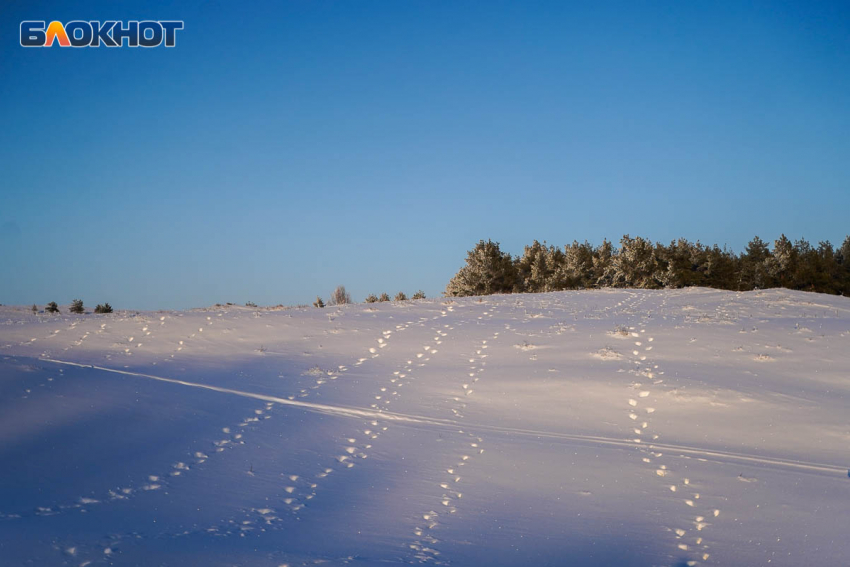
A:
[284,148]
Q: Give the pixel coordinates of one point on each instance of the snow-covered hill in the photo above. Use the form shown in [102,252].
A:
[611,427]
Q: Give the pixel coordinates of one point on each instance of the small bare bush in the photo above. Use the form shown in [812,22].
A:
[340,296]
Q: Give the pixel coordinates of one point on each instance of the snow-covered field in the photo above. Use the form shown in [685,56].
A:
[611,427]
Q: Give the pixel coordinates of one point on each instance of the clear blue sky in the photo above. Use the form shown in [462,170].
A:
[284,148]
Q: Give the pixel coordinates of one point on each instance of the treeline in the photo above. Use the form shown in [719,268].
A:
[638,263]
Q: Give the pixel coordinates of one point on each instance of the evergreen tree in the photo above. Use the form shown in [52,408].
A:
[384,297]
[842,258]
[635,265]
[753,274]
[720,270]
[419,295]
[34,308]
[488,270]
[371,298]
[782,263]
[77,307]
[52,307]
[532,271]
[318,303]
[106,308]
[603,261]
[400,296]
[577,271]
[641,264]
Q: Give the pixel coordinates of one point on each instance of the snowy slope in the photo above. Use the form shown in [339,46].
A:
[629,428]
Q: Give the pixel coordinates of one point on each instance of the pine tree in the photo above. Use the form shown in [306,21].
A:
[34,308]
[635,265]
[577,266]
[487,270]
[782,263]
[400,296]
[603,260]
[106,308]
[371,298]
[77,307]
[531,269]
[52,307]
[753,274]
[384,297]
[419,295]
[318,303]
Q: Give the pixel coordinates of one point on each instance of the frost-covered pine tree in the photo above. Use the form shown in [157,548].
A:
[532,270]
[782,262]
[635,265]
[487,270]
[318,303]
[371,298]
[578,265]
[603,260]
[77,307]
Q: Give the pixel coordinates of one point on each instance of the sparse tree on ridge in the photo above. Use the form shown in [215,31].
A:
[340,296]
[52,307]
[400,296]
[77,307]
[371,298]
[318,303]
[384,297]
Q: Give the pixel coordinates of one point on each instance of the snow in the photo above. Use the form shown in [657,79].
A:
[607,427]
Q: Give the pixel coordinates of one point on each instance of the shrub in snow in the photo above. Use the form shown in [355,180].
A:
[318,302]
[77,307]
[340,296]
[34,308]
[371,298]
[52,307]
[384,297]
[419,295]
[105,308]
[400,296]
